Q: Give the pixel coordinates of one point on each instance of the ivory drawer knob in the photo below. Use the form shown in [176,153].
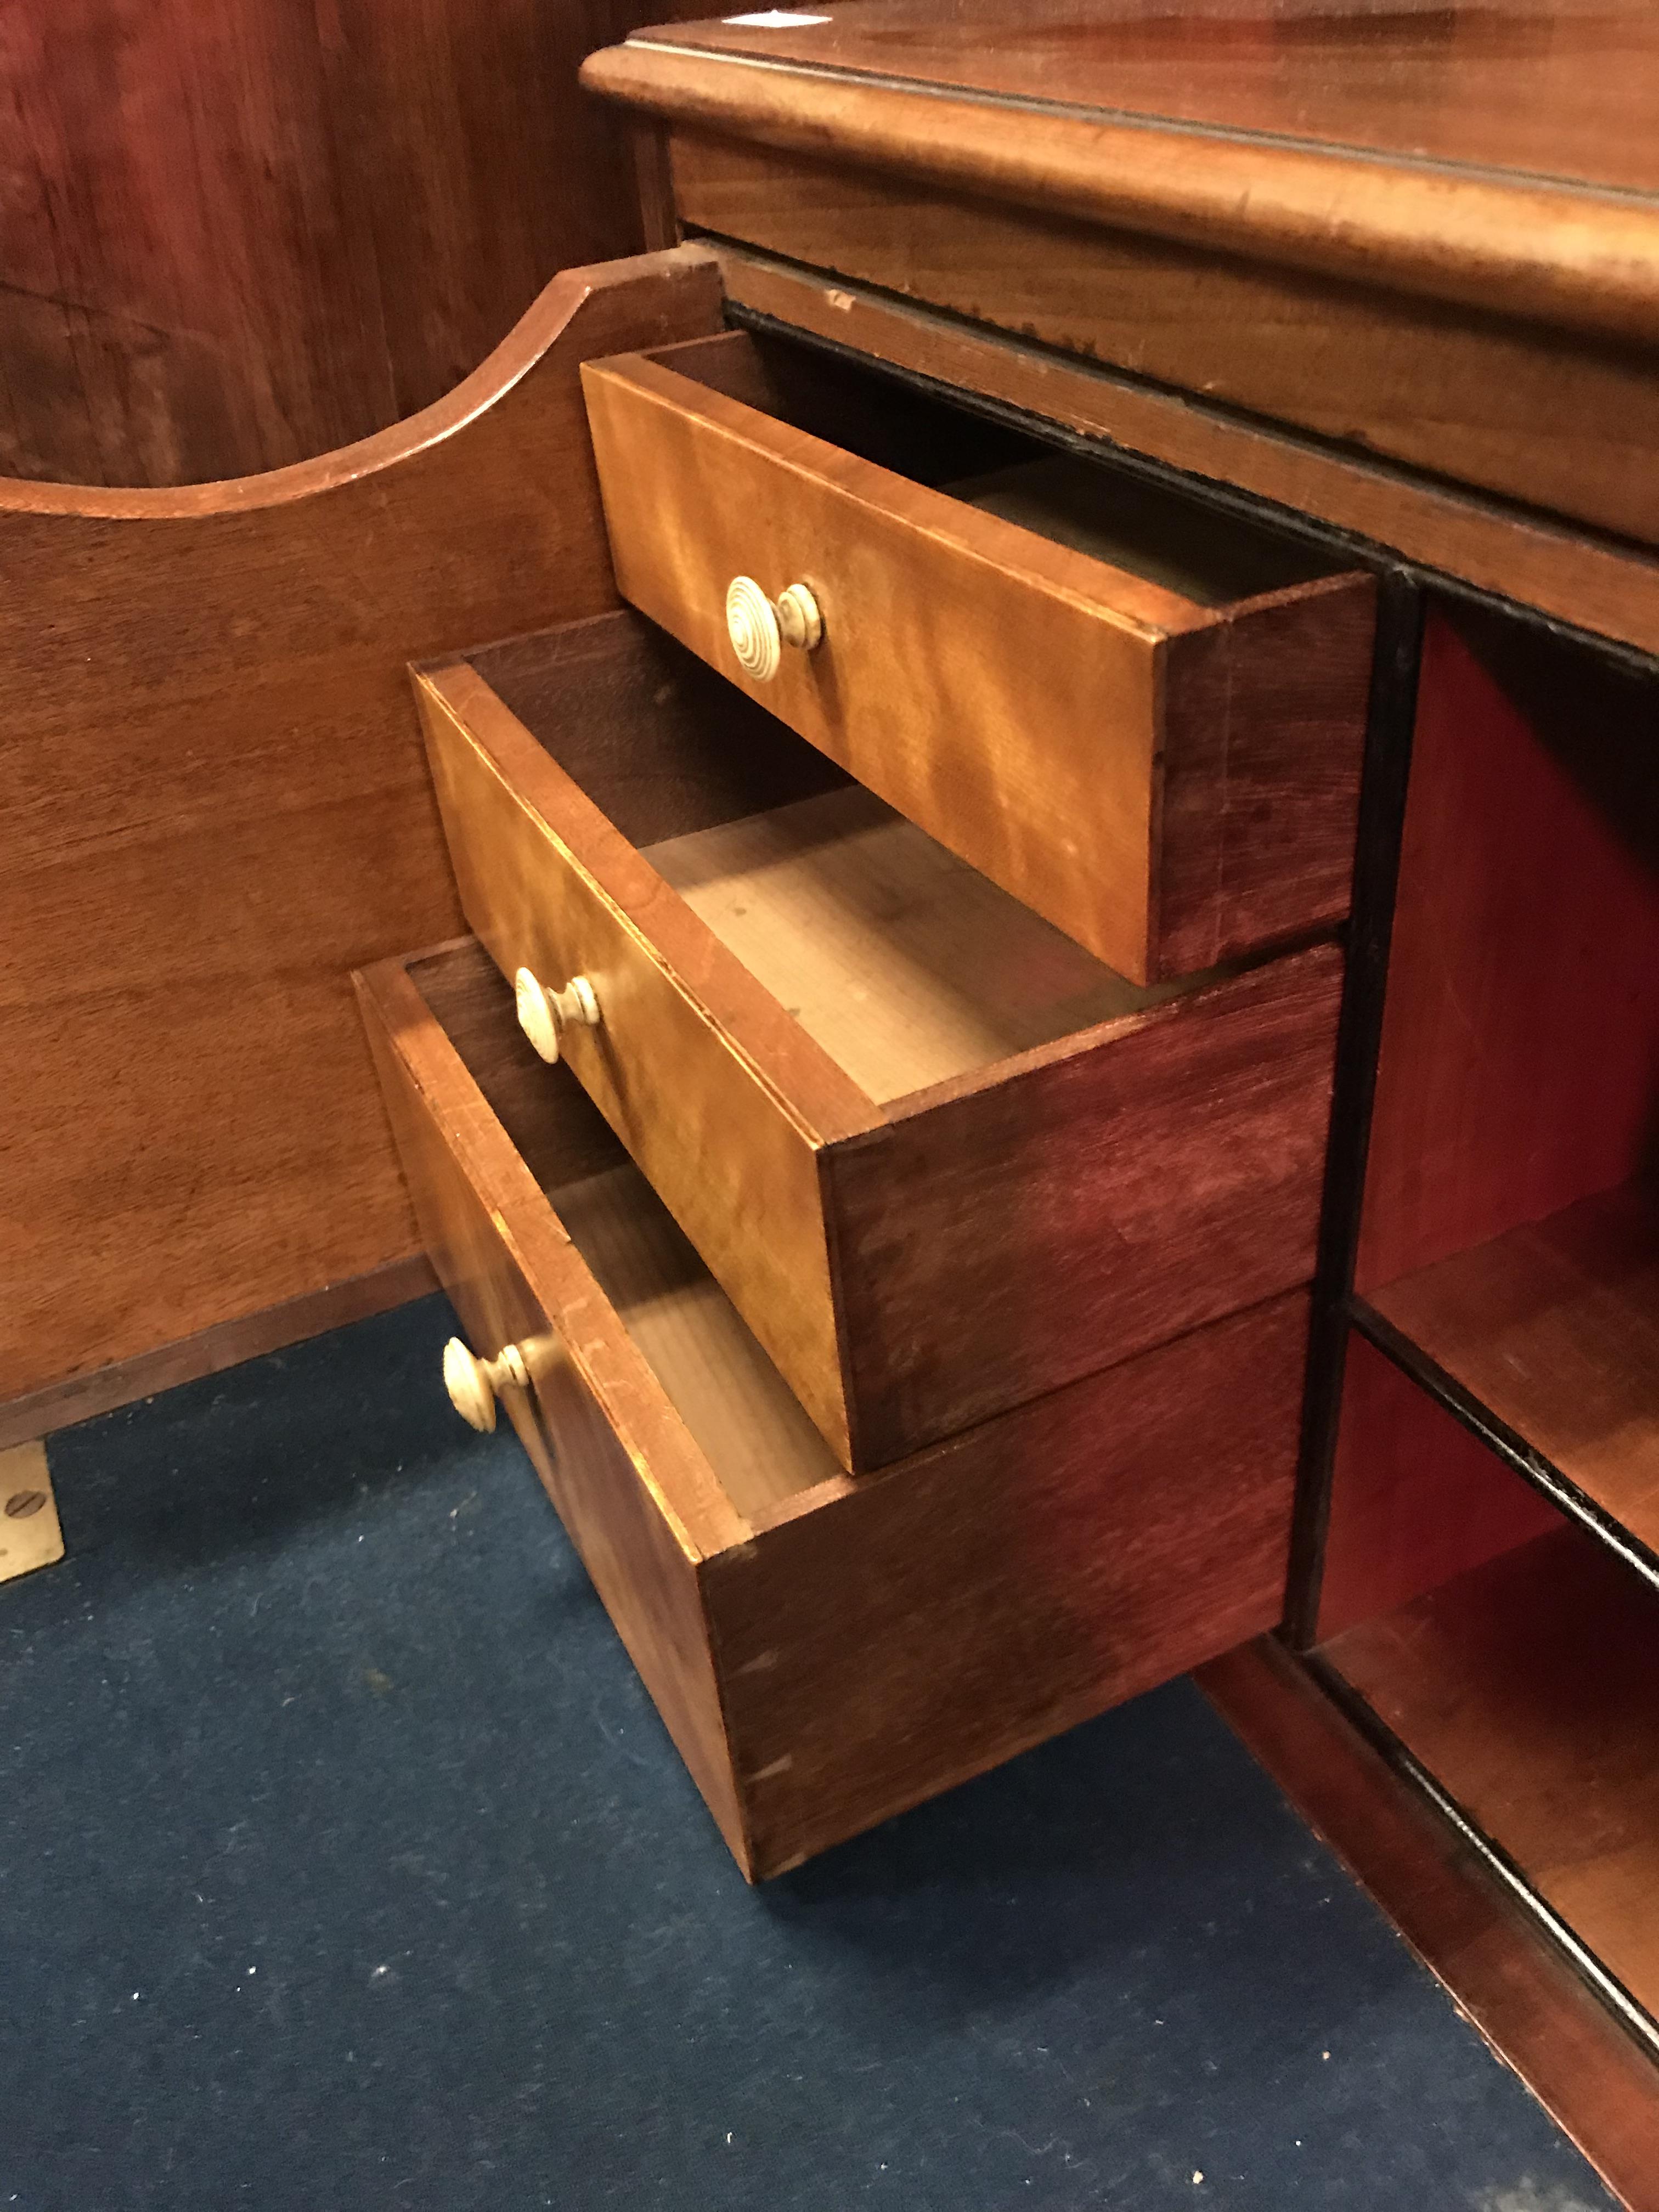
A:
[472,1383]
[760,628]
[544,1015]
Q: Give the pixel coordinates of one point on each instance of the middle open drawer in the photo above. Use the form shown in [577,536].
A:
[941,1159]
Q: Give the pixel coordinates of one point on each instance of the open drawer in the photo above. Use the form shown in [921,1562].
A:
[1139,715]
[941,1158]
[825,1650]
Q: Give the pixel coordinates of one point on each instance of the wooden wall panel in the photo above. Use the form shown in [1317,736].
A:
[238,235]
[217,806]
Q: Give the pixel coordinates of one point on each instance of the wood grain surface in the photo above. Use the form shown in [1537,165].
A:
[1554,1328]
[1260,805]
[209,1351]
[1563,92]
[906,965]
[660,743]
[910,1267]
[242,235]
[549,1124]
[1579,577]
[1514,243]
[726,1129]
[891,1635]
[1001,1234]
[1519,1066]
[219,804]
[1551,420]
[934,642]
[1503,1973]
[1169,779]
[1528,1687]
[732,1399]
[840,1648]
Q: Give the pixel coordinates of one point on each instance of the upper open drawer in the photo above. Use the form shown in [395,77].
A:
[1141,716]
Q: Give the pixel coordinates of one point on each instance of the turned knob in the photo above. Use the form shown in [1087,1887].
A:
[544,1015]
[472,1383]
[760,628]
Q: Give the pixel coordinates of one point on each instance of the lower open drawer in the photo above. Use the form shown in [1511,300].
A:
[825,1649]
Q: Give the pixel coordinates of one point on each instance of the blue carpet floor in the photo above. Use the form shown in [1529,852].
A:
[345,1865]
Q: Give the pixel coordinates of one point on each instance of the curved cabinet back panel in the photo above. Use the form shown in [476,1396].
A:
[217,806]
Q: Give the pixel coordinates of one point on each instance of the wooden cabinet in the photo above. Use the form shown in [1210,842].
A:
[1073,372]
[1142,718]
[905,1308]
[942,1160]
[939,885]
[1092,549]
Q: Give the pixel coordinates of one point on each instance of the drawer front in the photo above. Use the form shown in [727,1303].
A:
[856,1644]
[971,698]
[499,1251]
[1024,703]
[735,1160]
[1089,1205]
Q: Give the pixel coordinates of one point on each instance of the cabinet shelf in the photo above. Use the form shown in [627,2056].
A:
[1552,1329]
[1528,1687]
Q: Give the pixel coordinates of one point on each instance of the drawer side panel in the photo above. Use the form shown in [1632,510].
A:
[1103,1199]
[928,1624]
[1266,716]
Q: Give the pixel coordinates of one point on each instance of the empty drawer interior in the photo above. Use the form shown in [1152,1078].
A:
[1146,528]
[905,964]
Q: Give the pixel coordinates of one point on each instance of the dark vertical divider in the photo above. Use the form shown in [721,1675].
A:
[1382,814]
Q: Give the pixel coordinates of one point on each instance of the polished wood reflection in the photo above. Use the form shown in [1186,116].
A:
[1556,91]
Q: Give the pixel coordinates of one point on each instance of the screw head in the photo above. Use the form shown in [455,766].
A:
[22,1503]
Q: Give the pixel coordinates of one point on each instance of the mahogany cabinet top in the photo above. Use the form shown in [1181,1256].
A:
[1565,92]
[1500,157]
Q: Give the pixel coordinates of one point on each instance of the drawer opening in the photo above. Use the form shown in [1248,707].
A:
[761,1445]
[1149,530]
[763,1449]
[905,964]
[1512,1653]
[1061,1171]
